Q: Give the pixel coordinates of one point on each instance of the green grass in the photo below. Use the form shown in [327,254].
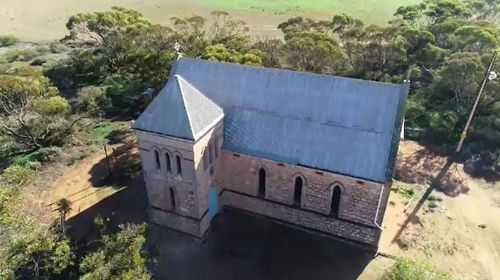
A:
[102,130]
[370,11]
[405,189]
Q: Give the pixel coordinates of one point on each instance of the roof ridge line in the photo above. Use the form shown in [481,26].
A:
[290,71]
[181,91]
[202,94]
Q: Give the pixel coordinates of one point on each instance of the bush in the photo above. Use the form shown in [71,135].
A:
[25,55]
[91,100]
[47,154]
[8,40]
[18,175]
[56,47]
[406,269]
[7,194]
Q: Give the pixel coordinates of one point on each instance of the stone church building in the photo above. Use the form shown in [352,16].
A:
[315,151]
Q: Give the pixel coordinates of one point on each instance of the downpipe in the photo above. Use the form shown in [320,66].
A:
[378,208]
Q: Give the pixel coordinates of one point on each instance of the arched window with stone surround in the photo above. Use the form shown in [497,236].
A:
[297,191]
[169,164]
[172,199]
[179,166]
[262,182]
[157,160]
[334,208]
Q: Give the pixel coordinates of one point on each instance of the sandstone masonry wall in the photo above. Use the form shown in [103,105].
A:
[310,220]
[358,202]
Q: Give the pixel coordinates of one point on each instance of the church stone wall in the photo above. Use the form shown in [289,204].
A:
[237,178]
[304,219]
[358,202]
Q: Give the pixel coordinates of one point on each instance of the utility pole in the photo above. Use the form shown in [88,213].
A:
[489,75]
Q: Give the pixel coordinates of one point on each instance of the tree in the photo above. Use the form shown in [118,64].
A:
[462,73]
[31,110]
[63,209]
[271,52]
[96,27]
[313,51]
[37,254]
[220,53]
[120,256]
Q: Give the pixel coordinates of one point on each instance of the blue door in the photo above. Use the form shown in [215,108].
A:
[213,205]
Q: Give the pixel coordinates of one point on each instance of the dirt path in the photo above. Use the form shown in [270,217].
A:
[463,238]
[81,184]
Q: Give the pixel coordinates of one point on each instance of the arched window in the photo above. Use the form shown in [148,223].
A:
[211,152]
[216,147]
[172,199]
[157,160]
[169,165]
[297,194]
[178,163]
[205,160]
[334,210]
[262,182]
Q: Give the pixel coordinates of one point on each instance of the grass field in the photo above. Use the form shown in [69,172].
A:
[41,20]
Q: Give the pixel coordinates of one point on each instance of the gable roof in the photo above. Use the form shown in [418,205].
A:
[179,110]
[342,125]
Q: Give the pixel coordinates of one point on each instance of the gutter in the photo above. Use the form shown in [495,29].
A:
[378,208]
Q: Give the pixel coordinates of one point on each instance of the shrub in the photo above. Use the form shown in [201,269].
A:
[8,40]
[406,190]
[91,100]
[18,175]
[25,55]
[406,269]
[56,47]
[7,194]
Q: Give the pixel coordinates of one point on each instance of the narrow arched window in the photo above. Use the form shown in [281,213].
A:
[169,164]
[262,182]
[205,160]
[211,152]
[216,147]
[157,160]
[297,194]
[334,209]
[172,199]
[178,163]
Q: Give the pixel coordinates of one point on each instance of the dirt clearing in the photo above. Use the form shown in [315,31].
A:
[457,229]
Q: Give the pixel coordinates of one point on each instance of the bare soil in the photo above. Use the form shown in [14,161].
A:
[462,236]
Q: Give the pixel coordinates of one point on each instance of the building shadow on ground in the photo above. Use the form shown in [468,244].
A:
[243,246]
[127,205]
[238,245]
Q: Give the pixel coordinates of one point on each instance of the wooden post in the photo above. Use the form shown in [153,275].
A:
[114,156]
[107,159]
[476,103]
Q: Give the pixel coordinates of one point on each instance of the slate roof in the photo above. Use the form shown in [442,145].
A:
[337,124]
[180,110]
